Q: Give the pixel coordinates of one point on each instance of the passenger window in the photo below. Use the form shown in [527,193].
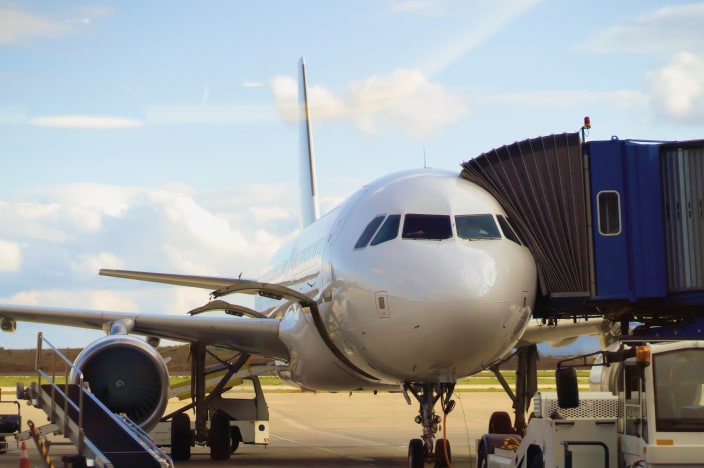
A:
[388,231]
[509,233]
[418,226]
[474,227]
[368,232]
[609,206]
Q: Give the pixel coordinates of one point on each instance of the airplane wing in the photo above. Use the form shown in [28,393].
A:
[258,336]
[559,335]
[206,282]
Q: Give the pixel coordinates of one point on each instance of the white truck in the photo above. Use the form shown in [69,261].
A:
[653,415]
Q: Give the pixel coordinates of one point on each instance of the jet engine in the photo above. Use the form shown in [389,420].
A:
[127,375]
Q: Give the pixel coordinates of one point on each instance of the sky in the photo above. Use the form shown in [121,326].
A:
[159,135]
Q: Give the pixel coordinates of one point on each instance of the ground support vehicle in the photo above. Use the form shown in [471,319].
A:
[9,423]
[653,416]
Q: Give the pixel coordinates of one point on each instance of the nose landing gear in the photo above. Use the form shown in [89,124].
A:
[421,450]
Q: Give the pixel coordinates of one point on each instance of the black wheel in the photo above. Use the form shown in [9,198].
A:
[181,437]
[537,460]
[219,436]
[481,456]
[235,438]
[442,448]
[500,423]
[416,454]
[3,445]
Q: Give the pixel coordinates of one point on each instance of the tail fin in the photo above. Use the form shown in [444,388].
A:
[310,210]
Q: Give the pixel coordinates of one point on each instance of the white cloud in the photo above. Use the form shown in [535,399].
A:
[10,256]
[404,98]
[18,26]
[677,89]
[80,299]
[85,121]
[88,265]
[668,30]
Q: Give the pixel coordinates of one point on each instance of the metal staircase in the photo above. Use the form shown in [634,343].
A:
[100,435]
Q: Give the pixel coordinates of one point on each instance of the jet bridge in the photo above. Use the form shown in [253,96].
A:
[615,226]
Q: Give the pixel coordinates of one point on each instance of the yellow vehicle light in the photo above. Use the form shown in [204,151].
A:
[643,355]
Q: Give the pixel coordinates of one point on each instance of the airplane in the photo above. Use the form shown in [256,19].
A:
[415,281]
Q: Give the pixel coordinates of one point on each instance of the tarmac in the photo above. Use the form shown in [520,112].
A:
[322,430]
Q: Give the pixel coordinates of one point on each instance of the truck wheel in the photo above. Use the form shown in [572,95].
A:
[481,456]
[181,437]
[537,460]
[219,436]
[500,423]
[235,437]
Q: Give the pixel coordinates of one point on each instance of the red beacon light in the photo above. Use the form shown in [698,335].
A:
[585,128]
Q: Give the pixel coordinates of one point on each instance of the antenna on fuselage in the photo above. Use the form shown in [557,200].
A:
[310,210]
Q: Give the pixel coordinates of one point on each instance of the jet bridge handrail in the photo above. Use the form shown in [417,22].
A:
[55,387]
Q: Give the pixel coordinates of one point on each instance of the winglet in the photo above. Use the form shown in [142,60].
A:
[310,210]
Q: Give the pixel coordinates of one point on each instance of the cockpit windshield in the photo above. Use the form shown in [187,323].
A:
[473,227]
[385,228]
[424,226]
[679,390]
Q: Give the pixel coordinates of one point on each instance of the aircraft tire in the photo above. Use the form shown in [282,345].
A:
[440,461]
[416,454]
[181,437]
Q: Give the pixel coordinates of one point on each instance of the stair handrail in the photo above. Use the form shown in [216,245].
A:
[55,387]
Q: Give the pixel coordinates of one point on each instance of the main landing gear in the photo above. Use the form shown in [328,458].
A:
[421,450]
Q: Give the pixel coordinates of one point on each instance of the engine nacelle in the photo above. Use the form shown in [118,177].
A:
[126,375]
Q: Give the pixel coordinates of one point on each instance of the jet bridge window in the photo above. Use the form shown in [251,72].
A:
[473,227]
[609,205]
[388,231]
[369,232]
[420,226]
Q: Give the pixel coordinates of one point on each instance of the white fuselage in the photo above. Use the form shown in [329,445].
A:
[435,291]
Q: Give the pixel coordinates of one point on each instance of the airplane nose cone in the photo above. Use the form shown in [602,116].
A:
[466,307]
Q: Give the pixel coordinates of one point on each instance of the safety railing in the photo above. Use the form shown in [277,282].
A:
[55,387]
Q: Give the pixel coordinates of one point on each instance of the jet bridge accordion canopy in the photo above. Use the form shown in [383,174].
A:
[540,183]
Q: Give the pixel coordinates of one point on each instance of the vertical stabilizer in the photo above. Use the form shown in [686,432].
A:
[306,170]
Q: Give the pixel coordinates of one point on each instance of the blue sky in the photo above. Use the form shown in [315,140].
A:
[158,135]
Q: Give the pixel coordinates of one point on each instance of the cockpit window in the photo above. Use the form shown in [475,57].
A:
[388,231]
[368,232]
[473,227]
[420,226]
[508,230]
